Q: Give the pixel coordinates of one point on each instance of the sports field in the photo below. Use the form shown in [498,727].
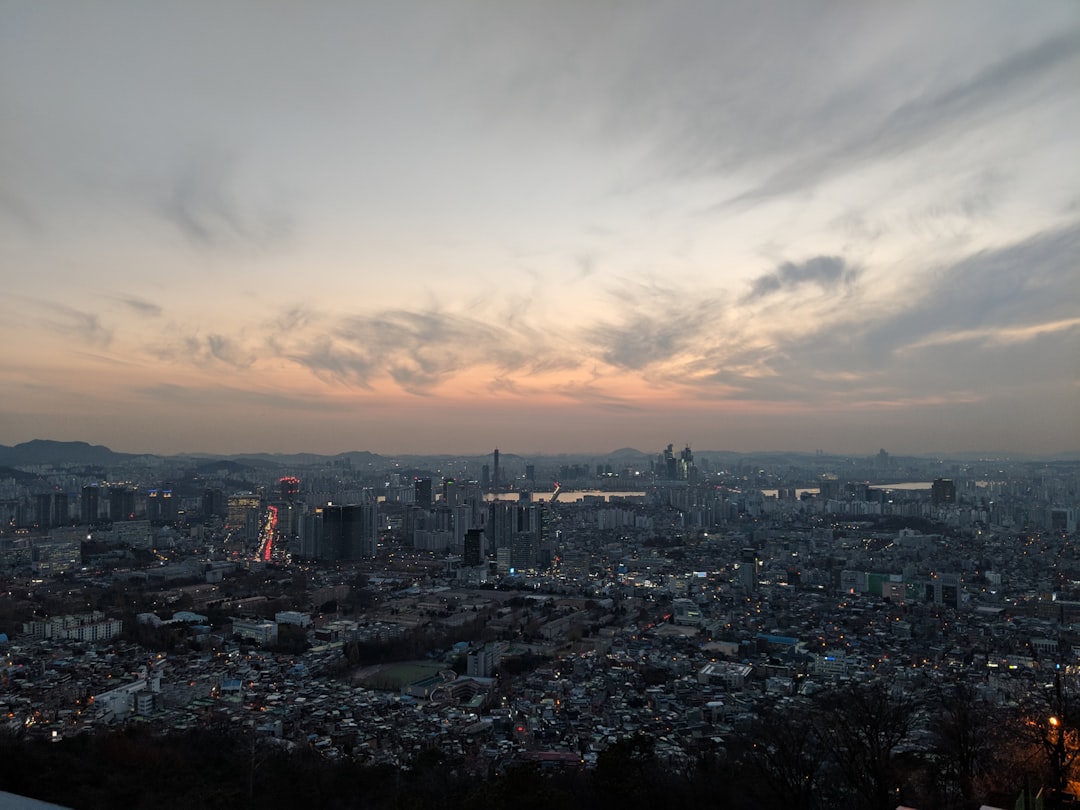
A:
[395,676]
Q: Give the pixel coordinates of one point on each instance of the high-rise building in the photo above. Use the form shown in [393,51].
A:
[669,468]
[452,494]
[161,506]
[422,489]
[496,481]
[121,504]
[213,503]
[310,535]
[349,532]
[60,509]
[90,504]
[523,550]
[748,565]
[501,523]
[519,525]
[473,553]
[686,469]
[43,510]
[288,515]
[243,513]
[290,488]
[942,491]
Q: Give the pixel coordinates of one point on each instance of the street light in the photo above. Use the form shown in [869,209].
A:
[1056,738]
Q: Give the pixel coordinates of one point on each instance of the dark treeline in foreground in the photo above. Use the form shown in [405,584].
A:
[860,746]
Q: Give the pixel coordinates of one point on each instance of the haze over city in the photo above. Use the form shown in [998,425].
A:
[232,227]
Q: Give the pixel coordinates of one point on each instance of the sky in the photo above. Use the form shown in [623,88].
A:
[447,226]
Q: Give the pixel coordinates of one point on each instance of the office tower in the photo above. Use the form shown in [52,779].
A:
[530,473]
[500,524]
[310,535]
[748,565]
[43,510]
[60,509]
[461,522]
[242,518]
[496,481]
[121,504]
[686,464]
[451,492]
[423,492]
[349,532]
[90,504]
[829,488]
[942,491]
[536,521]
[669,465]
[485,477]
[213,503]
[523,550]
[288,520]
[473,553]
[161,506]
[290,488]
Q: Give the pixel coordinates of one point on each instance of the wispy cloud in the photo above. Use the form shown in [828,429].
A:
[417,349]
[825,272]
[213,349]
[202,201]
[923,118]
[991,336]
[140,305]
[85,327]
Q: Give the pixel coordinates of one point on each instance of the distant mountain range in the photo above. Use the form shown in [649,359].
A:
[48,452]
[45,451]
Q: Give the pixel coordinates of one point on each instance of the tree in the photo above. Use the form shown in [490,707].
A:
[785,759]
[1046,729]
[860,726]
[964,739]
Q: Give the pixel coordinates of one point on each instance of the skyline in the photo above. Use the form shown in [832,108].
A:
[446,227]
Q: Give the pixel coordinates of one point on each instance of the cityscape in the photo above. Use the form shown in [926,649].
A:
[771,630]
[484,404]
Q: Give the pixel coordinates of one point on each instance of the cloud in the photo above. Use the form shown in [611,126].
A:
[1018,285]
[204,350]
[86,327]
[957,109]
[823,271]
[932,334]
[992,336]
[990,322]
[641,342]
[417,349]
[653,323]
[203,203]
[140,305]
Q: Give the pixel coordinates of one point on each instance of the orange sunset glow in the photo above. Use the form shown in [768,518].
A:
[229,227]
